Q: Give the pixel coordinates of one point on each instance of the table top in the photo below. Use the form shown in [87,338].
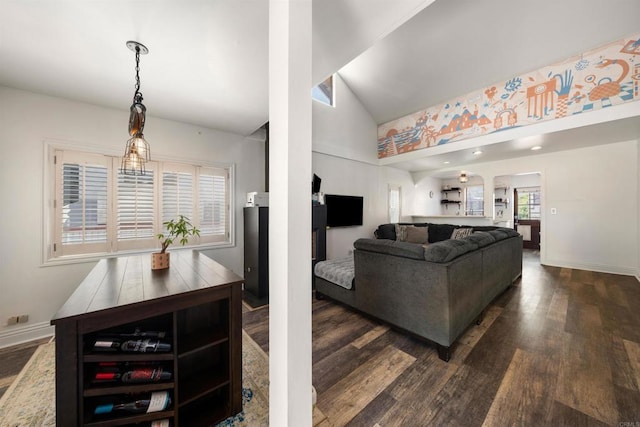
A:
[126,280]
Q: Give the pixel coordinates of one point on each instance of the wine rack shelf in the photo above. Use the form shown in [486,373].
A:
[123,299]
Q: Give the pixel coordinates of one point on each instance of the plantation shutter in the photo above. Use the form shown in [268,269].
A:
[80,205]
[213,220]
[136,210]
[177,192]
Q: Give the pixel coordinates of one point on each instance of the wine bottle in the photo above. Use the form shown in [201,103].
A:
[158,401]
[145,346]
[147,334]
[107,344]
[139,375]
[158,423]
[105,377]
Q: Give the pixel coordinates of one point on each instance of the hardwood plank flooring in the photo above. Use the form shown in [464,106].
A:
[560,347]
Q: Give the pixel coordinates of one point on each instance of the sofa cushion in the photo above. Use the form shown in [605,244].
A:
[509,231]
[498,234]
[440,232]
[481,238]
[417,235]
[461,232]
[448,250]
[391,247]
[401,232]
[386,231]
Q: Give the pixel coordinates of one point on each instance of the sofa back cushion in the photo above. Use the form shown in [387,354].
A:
[386,231]
[448,250]
[481,238]
[390,247]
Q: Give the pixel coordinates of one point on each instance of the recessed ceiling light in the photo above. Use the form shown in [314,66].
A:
[537,147]
[446,162]
[477,152]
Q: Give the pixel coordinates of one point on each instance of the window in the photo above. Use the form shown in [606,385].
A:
[529,203]
[474,200]
[395,201]
[98,210]
[324,92]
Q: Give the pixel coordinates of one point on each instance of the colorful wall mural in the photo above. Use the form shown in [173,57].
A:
[606,76]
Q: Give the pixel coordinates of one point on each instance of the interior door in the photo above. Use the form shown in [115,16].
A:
[527,216]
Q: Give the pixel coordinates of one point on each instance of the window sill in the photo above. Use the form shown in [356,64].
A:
[79,259]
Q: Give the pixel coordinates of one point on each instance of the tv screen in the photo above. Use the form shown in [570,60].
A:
[343,211]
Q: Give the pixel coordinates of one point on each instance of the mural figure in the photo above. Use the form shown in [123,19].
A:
[609,88]
[540,98]
[512,116]
[563,94]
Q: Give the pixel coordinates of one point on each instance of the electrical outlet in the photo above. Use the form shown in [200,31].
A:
[23,318]
[12,320]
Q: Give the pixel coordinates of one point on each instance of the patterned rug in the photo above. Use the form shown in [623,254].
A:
[30,400]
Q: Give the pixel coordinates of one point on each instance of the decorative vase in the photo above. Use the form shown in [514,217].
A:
[159,260]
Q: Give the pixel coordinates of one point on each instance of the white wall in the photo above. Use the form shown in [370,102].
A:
[595,192]
[346,130]
[423,204]
[345,158]
[26,121]
[353,178]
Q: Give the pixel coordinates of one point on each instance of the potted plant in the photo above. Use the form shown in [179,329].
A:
[176,229]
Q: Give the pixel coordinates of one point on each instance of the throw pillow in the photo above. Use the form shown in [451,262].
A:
[401,232]
[417,235]
[460,233]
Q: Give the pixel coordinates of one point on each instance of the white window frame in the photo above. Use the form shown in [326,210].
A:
[50,233]
[332,99]
[394,188]
[466,199]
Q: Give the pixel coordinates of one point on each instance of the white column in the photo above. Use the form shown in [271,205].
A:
[290,213]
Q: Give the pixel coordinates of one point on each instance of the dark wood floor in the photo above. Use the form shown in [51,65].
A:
[560,347]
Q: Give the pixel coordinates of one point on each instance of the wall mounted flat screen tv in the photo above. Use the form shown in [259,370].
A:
[343,211]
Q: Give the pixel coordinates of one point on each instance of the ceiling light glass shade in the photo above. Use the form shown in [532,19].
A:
[463,178]
[136,155]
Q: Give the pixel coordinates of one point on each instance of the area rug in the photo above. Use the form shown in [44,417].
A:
[30,400]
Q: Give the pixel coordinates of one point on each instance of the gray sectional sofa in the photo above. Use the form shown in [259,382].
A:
[434,289]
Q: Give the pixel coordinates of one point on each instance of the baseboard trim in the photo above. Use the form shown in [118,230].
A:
[600,268]
[19,335]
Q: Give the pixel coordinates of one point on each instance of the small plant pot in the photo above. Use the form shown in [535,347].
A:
[159,261]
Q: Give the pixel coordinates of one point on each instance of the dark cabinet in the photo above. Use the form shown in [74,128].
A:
[256,253]
[256,249]
[194,306]
[318,236]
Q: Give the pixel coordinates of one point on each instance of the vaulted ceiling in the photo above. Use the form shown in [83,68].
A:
[208,59]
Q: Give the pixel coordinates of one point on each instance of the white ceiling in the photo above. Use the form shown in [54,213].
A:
[208,59]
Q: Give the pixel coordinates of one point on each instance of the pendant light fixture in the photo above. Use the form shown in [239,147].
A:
[463,178]
[137,152]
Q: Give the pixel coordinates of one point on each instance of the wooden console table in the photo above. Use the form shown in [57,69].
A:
[196,302]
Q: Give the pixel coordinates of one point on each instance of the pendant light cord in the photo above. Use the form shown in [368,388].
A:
[137,96]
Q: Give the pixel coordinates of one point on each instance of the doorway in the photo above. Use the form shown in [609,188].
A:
[527,215]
